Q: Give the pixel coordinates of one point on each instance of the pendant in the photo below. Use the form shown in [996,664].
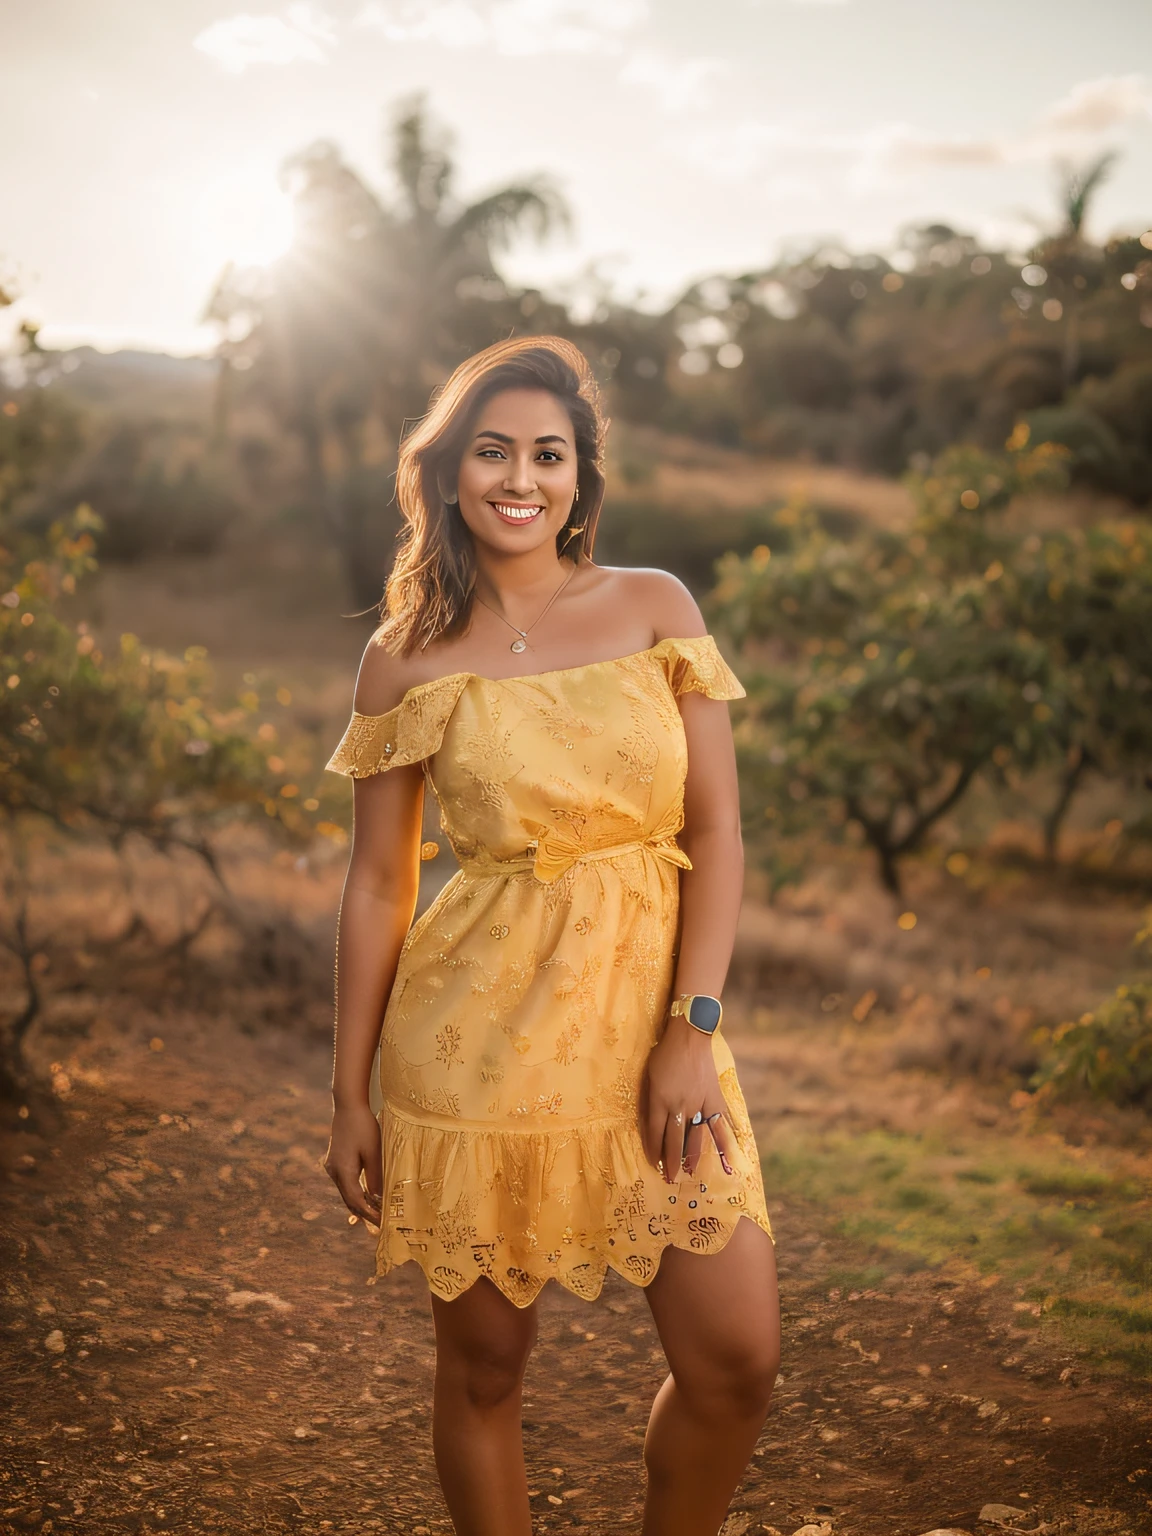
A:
[519,645]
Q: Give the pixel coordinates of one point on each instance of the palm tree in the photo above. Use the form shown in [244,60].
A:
[345,336]
[1074,266]
[1078,186]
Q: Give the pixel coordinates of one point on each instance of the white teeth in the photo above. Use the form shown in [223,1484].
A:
[522,514]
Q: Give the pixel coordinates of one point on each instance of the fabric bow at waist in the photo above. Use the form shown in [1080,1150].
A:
[558,848]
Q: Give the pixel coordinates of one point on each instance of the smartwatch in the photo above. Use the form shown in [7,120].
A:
[702,1012]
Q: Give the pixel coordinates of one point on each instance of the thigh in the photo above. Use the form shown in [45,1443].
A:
[482,1326]
[717,1310]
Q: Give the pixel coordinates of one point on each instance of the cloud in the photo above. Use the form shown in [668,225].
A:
[679,83]
[524,27]
[509,26]
[739,150]
[899,147]
[303,34]
[1092,113]
[1098,106]
[1091,110]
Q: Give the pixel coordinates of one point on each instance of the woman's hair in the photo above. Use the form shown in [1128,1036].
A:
[429,592]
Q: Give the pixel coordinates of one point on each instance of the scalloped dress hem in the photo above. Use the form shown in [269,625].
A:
[522,1205]
[589,1294]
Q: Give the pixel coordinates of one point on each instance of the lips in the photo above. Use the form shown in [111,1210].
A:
[515,512]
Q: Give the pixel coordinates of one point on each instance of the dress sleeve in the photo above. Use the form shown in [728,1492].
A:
[410,733]
[696,666]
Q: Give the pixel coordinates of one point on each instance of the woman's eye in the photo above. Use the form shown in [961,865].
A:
[549,457]
[491,453]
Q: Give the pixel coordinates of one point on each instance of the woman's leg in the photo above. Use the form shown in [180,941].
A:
[719,1322]
[482,1347]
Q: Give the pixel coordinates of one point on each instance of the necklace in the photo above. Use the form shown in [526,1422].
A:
[521,641]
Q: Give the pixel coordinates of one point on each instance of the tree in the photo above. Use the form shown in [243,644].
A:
[894,669]
[345,337]
[134,745]
[1073,266]
[1078,186]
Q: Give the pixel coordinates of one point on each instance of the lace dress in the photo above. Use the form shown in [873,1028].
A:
[530,992]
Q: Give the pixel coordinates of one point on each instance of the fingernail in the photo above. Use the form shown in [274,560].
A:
[725,1164]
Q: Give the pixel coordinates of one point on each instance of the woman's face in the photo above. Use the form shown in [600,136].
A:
[517,477]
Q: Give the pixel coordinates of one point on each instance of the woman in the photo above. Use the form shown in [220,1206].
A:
[546,1114]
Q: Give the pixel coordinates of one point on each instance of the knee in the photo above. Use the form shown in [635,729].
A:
[737,1384]
[487,1371]
[753,1381]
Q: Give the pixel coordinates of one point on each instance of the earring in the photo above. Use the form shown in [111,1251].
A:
[576,498]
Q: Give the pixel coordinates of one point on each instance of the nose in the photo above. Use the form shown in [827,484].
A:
[520,481]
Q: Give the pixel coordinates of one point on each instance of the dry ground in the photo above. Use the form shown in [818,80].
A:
[191,1345]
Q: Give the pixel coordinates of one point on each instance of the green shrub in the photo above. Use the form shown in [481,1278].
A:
[129,743]
[1106,1054]
[1096,454]
[148,501]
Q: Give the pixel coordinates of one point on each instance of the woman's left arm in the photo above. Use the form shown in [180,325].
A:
[711,891]
[681,1077]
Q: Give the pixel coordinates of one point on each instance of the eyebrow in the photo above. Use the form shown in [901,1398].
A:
[502,437]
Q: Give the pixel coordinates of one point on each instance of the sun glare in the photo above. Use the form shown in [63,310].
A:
[245,218]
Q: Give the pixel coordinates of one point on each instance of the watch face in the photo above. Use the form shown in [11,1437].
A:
[704,1013]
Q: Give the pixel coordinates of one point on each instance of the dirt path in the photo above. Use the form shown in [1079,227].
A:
[190,1346]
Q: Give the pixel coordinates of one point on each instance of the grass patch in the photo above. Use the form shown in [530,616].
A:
[868,1277]
[1067,1227]
[1073,1184]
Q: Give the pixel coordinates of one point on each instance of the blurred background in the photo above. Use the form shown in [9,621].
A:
[868,287]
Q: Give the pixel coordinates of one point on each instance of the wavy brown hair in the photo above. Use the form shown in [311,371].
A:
[429,592]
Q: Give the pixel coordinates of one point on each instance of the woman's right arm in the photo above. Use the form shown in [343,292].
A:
[376,911]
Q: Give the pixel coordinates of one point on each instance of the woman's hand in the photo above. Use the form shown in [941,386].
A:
[354,1149]
[679,1083]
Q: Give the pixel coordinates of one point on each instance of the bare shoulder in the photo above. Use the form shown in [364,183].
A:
[383,679]
[663,599]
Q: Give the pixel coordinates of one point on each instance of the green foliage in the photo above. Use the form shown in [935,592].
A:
[39,434]
[1106,1054]
[893,669]
[684,540]
[149,498]
[853,357]
[1108,426]
[131,743]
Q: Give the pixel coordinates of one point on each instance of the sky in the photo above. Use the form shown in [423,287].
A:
[143,140]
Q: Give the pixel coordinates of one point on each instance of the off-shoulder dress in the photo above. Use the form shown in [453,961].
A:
[529,994]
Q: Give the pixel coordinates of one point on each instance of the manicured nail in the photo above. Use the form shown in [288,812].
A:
[725,1164]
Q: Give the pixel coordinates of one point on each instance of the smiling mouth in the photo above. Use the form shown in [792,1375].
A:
[511,512]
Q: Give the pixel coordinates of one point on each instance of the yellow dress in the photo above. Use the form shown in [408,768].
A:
[529,994]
